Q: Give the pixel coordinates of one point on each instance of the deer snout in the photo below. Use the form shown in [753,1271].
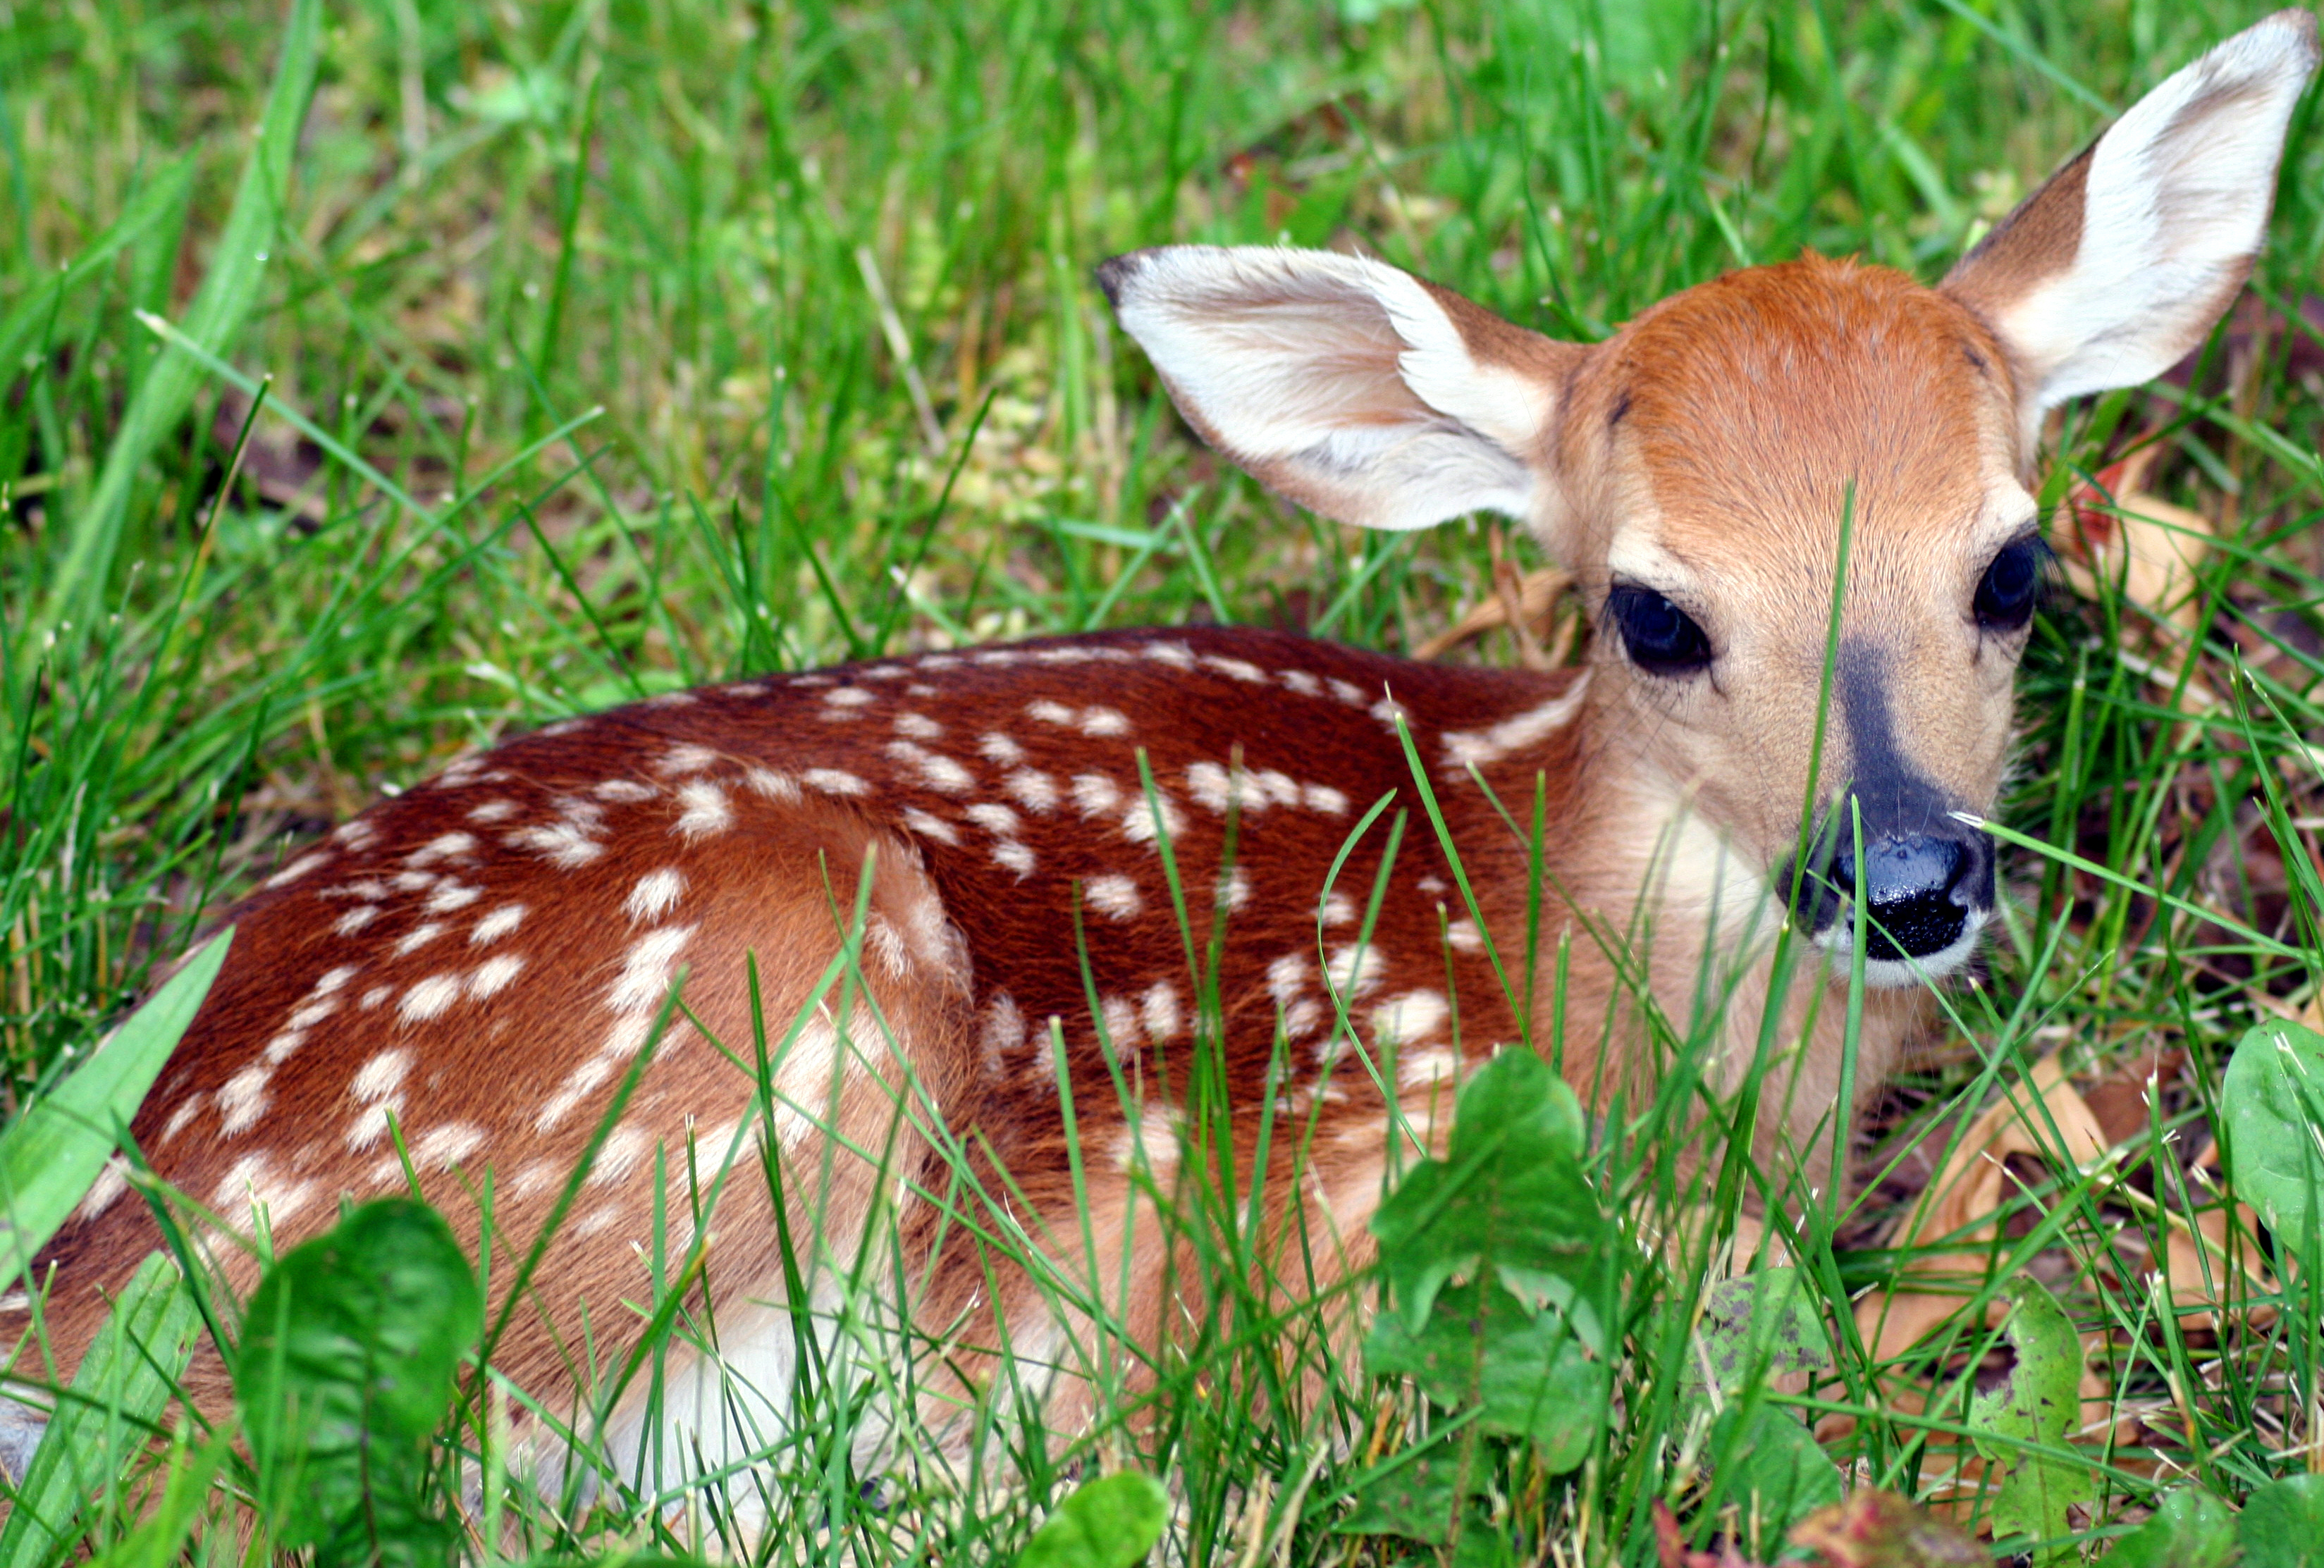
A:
[1925,884]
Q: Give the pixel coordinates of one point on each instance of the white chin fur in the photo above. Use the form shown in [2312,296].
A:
[1838,940]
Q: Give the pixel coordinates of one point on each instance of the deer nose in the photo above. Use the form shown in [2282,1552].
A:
[1919,889]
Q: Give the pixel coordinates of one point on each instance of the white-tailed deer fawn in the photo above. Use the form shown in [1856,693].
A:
[1034,830]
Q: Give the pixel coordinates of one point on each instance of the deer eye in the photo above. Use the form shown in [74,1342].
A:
[1661,638]
[2005,594]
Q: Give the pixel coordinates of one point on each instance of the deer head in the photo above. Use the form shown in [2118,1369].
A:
[1704,472]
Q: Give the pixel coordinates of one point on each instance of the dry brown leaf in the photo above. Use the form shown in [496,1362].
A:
[1534,595]
[1878,1530]
[1965,1198]
[2110,528]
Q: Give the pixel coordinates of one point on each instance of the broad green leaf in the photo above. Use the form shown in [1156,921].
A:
[51,1154]
[2191,1529]
[1524,1369]
[2272,1103]
[1417,1499]
[1770,1465]
[1510,1196]
[2282,1525]
[1765,1459]
[2038,1402]
[1755,1325]
[125,1378]
[346,1365]
[1113,1522]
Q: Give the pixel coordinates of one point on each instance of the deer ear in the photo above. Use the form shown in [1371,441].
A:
[1350,387]
[2116,269]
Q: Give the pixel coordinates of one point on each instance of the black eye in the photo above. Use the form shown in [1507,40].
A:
[1661,639]
[2005,598]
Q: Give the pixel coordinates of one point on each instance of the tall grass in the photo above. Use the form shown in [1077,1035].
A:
[602,348]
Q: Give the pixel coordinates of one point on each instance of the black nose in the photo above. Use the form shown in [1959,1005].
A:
[1918,888]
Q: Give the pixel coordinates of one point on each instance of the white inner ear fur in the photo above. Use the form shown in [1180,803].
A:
[1339,381]
[2175,206]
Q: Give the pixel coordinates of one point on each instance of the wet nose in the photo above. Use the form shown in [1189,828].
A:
[1918,888]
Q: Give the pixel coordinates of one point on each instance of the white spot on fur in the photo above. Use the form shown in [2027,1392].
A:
[1463,937]
[449,896]
[1419,1069]
[443,846]
[1339,909]
[847,696]
[1001,749]
[1139,819]
[1467,747]
[242,1100]
[772,786]
[646,969]
[567,845]
[1410,1017]
[1149,1142]
[382,1076]
[1356,968]
[1050,713]
[356,920]
[1003,1030]
[492,975]
[442,1148]
[187,1109]
[1238,669]
[111,1183]
[375,996]
[1300,681]
[1347,692]
[429,998]
[919,726]
[419,937]
[935,771]
[625,1148]
[1035,788]
[493,811]
[1158,1008]
[705,809]
[1014,856]
[1287,977]
[1116,897]
[1235,892]
[1119,1015]
[656,894]
[928,826]
[835,781]
[627,792]
[1096,795]
[993,817]
[1104,721]
[1322,797]
[357,834]
[295,869]
[684,759]
[282,1048]
[496,924]
[1176,655]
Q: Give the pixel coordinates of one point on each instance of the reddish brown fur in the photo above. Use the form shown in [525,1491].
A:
[758,887]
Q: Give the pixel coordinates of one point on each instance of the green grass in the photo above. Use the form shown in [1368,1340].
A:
[605,348]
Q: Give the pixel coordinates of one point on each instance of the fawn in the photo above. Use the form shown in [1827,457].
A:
[1012,844]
